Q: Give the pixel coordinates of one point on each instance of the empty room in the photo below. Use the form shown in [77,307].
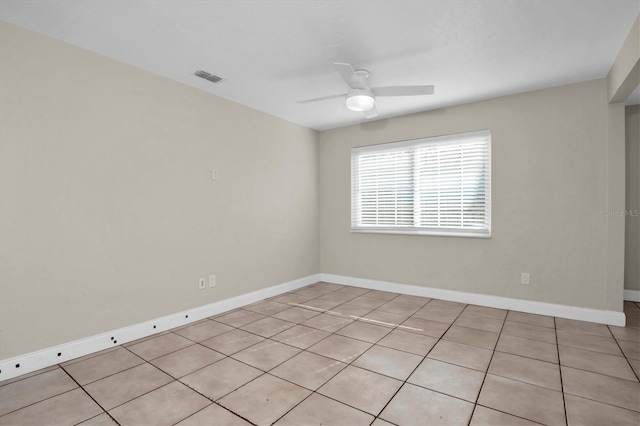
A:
[320,212]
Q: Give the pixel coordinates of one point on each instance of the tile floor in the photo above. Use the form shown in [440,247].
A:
[337,355]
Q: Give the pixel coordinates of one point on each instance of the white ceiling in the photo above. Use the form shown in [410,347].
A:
[272,54]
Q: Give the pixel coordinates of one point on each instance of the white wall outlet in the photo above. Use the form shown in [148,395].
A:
[214,174]
[212,280]
[202,284]
[524,278]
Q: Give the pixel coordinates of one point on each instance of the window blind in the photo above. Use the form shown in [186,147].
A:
[435,186]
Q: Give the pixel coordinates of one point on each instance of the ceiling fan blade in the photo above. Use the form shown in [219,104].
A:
[372,113]
[348,75]
[324,98]
[402,90]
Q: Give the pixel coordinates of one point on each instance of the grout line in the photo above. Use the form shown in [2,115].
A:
[564,401]
[37,402]
[604,403]
[219,405]
[90,396]
[234,413]
[521,381]
[97,415]
[527,356]
[89,356]
[528,323]
[568,346]
[625,358]
[197,369]
[144,339]
[168,353]
[145,393]
[420,363]
[556,343]
[198,392]
[486,372]
[531,340]
[324,338]
[596,372]
[323,395]
[112,374]
[240,325]
[509,414]
[296,405]
[29,375]
[275,366]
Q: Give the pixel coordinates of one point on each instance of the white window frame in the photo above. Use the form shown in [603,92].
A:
[481,231]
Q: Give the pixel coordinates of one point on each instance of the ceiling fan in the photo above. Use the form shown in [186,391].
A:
[361,96]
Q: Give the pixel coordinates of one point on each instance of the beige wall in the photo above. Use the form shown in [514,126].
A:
[108,214]
[615,167]
[632,222]
[549,197]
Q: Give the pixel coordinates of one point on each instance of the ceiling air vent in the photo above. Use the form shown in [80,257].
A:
[212,78]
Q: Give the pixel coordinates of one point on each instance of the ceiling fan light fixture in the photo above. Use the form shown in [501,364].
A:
[360,101]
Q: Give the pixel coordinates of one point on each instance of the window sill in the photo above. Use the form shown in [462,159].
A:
[422,232]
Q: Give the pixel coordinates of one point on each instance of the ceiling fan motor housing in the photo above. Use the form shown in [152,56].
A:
[360,99]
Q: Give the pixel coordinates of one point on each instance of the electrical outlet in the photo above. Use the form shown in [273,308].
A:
[202,284]
[214,174]
[524,278]
[212,280]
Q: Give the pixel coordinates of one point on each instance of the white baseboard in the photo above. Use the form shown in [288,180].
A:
[632,295]
[529,306]
[33,361]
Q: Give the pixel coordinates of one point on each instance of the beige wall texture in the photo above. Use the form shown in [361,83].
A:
[549,197]
[108,213]
[632,221]
[615,167]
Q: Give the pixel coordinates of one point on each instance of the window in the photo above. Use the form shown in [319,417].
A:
[430,186]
